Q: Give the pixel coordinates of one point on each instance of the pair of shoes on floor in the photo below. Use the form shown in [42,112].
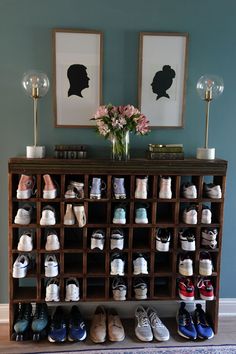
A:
[149,325]
[192,327]
[186,289]
[75,212]
[60,329]
[103,322]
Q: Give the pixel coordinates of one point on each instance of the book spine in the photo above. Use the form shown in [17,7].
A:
[166,155]
[166,149]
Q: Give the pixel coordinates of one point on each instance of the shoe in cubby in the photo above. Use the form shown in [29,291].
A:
[119,215]
[163,238]
[206,216]
[189,190]
[80,215]
[75,190]
[98,239]
[52,241]
[141,190]
[190,215]
[140,264]
[119,289]
[25,243]
[205,264]
[50,188]
[72,289]
[185,289]
[206,289]
[69,217]
[140,289]
[97,187]
[165,187]
[25,187]
[119,188]
[117,239]
[185,265]
[117,264]
[141,214]
[24,215]
[51,266]
[21,266]
[212,190]
[52,290]
[209,238]
[48,217]
[187,240]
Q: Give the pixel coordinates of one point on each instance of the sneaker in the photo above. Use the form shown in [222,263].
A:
[50,189]
[163,237]
[98,239]
[119,289]
[75,190]
[48,216]
[187,240]
[190,215]
[25,243]
[141,216]
[69,217]
[205,264]
[165,188]
[209,236]
[51,266]
[186,289]
[213,191]
[185,323]
[185,265]
[25,187]
[80,215]
[23,215]
[57,330]
[52,290]
[22,321]
[160,332]
[76,327]
[206,215]
[204,331]
[52,243]
[117,239]
[21,266]
[115,328]
[98,325]
[119,215]
[143,330]
[72,289]
[40,321]
[189,190]
[206,289]
[119,188]
[117,264]
[140,289]
[141,188]
[97,187]
[140,265]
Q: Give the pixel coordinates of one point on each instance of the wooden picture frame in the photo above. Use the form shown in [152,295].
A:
[77,64]
[162,78]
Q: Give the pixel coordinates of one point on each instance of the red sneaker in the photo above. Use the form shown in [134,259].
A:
[206,289]
[25,187]
[186,289]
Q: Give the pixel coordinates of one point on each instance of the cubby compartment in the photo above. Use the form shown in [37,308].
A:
[73,263]
[96,288]
[163,262]
[24,289]
[73,238]
[97,212]
[142,238]
[162,287]
[165,213]
[96,263]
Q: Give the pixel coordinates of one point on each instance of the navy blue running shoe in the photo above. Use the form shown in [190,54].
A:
[57,331]
[22,322]
[77,328]
[204,330]
[40,322]
[185,323]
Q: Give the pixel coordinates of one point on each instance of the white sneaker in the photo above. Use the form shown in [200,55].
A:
[51,266]
[119,289]
[48,216]
[141,188]
[213,191]
[206,215]
[189,191]
[23,215]
[140,265]
[190,215]
[80,215]
[163,237]
[209,238]
[205,264]
[52,243]
[160,332]
[140,289]
[69,217]
[185,266]
[25,243]
[72,289]
[97,239]
[117,264]
[165,188]
[187,240]
[52,290]
[20,266]
[117,239]
[143,330]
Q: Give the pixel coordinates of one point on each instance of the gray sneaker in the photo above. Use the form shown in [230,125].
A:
[119,289]
[143,330]
[140,289]
[159,330]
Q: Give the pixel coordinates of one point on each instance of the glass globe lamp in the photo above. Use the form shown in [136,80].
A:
[35,85]
[208,87]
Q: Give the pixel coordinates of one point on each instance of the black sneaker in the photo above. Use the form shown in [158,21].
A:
[57,331]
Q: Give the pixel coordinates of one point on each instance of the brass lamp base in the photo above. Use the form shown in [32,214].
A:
[206,153]
[35,152]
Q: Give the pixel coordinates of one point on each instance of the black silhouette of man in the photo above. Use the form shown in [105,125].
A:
[162,81]
[78,79]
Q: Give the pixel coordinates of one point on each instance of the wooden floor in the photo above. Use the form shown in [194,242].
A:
[226,335]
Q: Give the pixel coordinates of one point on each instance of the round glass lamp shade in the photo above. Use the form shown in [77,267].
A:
[35,83]
[210,87]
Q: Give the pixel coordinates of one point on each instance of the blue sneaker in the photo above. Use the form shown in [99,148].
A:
[57,331]
[119,188]
[204,331]
[119,215]
[97,187]
[77,328]
[40,321]
[22,323]
[185,323]
[141,216]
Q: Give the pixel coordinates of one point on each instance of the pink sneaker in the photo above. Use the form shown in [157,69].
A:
[25,187]
[49,190]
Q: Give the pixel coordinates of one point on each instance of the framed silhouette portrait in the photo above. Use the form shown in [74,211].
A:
[77,76]
[162,78]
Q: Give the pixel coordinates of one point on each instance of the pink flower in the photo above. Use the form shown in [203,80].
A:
[143,125]
[102,111]
[130,111]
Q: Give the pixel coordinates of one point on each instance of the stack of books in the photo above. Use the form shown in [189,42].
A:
[70,151]
[165,152]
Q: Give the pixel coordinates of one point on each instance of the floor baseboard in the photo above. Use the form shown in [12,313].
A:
[227,307]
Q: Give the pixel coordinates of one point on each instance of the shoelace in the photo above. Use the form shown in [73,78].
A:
[143,319]
[155,320]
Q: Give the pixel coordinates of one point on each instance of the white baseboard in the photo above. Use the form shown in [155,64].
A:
[227,307]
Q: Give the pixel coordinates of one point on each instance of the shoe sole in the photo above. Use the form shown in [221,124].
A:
[45,222]
[186,247]
[115,339]
[120,196]
[70,299]
[165,195]
[19,273]
[210,298]
[147,339]
[51,299]
[141,221]
[95,340]
[69,222]
[51,340]
[140,196]
[119,221]
[205,273]
[191,298]
[24,249]
[185,273]
[162,247]
[77,339]
[95,196]
[51,273]
[50,194]
[21,221]
[55,248]
[182,335]
[23,194]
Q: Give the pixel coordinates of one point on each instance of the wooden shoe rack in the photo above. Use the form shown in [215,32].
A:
[92,267]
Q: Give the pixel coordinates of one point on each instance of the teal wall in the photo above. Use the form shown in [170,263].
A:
[26,43]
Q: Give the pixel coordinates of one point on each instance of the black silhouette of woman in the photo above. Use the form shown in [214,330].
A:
[162,81]
[78,78]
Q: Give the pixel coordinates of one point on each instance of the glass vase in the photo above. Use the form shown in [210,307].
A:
[120,146]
